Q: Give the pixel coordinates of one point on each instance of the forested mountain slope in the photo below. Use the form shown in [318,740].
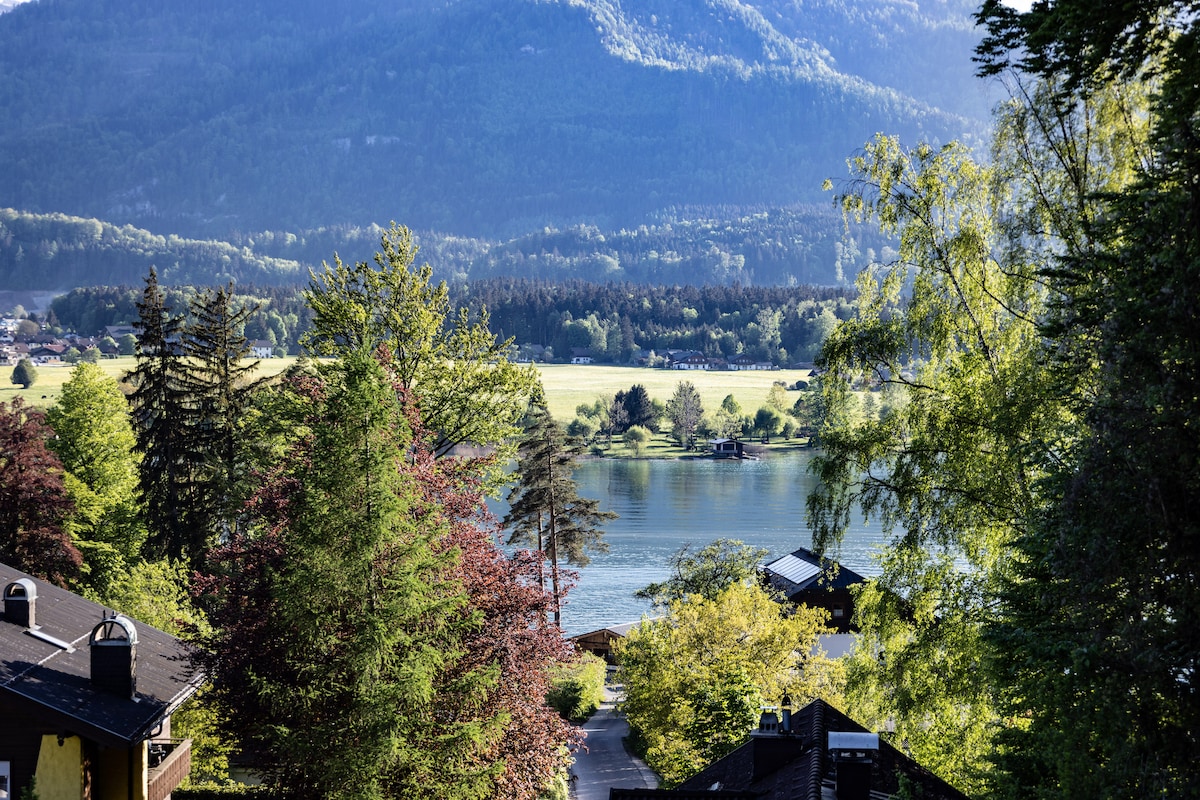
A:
[479,117]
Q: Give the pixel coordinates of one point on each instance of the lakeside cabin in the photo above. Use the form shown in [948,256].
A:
[727,448]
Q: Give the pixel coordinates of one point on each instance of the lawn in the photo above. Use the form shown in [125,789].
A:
[567,386]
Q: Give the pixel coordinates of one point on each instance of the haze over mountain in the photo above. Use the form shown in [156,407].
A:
[476,117]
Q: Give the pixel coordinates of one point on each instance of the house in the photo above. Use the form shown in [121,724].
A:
[86,698]
[727,448]
[817,753]
[261,348]
[582,355]
[690,360]
[803,577]
[600,642]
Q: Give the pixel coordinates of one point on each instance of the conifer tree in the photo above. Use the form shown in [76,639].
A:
[337,618]
[218,385]
[176,514]
[546,510]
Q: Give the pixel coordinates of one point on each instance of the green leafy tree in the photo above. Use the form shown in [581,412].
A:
[545,509]
[1096,637]
[635,438]
[706,572]
[695,679]
[95,441]
[24,374]
[338,618]
[728,419]
[685,411]
[949,471]
[458,374]
[127,345]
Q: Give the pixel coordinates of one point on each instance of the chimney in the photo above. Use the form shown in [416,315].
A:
[853,757]
[20,603]
[113,646]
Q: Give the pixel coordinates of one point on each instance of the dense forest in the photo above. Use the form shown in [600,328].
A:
[477,117]
[614,322]
[806,245]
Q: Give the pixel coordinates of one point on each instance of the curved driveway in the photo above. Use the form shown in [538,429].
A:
[606,764]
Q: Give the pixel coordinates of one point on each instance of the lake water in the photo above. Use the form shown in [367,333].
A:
[666,504]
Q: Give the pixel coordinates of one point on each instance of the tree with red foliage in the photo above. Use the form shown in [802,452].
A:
[513,637]
[371,618]
[33,501]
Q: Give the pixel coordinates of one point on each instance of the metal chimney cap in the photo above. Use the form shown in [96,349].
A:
[845,740]
[110,630]
[21,587]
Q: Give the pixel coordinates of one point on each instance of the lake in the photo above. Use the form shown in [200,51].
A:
[664,504]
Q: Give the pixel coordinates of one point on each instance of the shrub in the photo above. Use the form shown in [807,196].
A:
[577,687]
[24,373]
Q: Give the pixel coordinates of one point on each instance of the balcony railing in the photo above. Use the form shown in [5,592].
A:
[169,764]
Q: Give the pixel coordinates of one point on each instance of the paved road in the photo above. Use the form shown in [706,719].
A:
[606,764]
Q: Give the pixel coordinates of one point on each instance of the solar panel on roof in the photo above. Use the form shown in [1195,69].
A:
[796,570]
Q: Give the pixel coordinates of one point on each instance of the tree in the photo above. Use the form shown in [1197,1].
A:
[24,374]
[695,679]
[95,442]
[458,373]
[338,617]
[639,409]
[127,345]
[706,572]
[767,421]
[962,466]
[729,418]
[635,438]
[685,412]
[546,511]
[1095,638]
[217,384]
[177,513]
[949,471]
[34,505]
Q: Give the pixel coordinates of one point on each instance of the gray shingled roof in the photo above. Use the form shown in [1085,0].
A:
[49,669]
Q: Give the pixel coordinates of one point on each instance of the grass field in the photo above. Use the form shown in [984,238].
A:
[567,386]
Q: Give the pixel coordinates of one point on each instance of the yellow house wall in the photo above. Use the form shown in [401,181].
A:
[110,774]
[59,772]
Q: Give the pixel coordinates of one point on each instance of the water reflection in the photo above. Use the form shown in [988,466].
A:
[665,504]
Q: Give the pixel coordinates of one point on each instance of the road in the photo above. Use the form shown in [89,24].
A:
[606,764]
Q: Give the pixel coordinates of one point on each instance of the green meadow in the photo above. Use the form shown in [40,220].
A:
[567,387]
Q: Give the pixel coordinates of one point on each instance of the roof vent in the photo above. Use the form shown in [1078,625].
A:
[20,602]
[113,646]
[853,757]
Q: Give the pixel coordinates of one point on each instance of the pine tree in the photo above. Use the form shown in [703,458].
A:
[218,385]
[338,617]
[546,510]
[176,514]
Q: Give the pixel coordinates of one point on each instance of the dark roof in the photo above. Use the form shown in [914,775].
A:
[37,671]
[798,766]
[678,794]
[802,569]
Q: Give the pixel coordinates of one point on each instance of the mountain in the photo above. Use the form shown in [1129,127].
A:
[485,118]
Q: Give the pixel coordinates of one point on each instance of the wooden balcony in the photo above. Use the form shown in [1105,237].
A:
[169,764]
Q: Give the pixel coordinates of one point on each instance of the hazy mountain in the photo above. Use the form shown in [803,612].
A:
[481,117]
